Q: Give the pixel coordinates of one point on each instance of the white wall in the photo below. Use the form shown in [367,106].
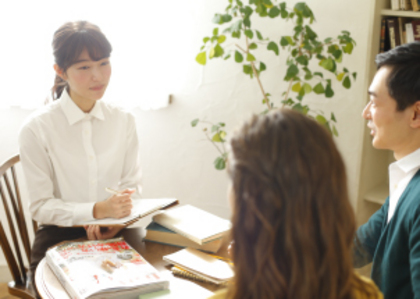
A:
[176,159]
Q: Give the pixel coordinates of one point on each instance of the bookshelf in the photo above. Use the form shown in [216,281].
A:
[373,184]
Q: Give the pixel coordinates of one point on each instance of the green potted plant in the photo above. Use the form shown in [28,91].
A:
[311,66]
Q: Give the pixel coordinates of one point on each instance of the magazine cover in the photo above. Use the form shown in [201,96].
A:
[103,269]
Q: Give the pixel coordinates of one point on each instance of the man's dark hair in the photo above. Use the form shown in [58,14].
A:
[404,80]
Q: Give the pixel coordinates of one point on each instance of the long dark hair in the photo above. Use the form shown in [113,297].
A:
[68,43]
[293,225]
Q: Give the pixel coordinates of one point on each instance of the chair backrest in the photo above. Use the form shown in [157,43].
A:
[12,203]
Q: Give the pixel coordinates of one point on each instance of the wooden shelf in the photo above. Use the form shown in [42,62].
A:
[378,194]
[400,13]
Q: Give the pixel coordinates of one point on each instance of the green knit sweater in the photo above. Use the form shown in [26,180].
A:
[394,247]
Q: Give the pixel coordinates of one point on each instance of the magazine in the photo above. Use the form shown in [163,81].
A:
[103,269]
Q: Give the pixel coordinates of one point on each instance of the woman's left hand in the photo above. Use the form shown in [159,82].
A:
[94,232]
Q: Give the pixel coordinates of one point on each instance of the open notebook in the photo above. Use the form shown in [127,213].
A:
[141,208]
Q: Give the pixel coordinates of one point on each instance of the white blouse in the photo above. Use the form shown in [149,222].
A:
[69,157]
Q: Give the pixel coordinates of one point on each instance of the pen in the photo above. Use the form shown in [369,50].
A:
[112,191]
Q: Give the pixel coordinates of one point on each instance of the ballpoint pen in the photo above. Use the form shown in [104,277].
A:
[112,191]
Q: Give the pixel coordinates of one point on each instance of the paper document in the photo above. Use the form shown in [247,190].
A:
[141,208]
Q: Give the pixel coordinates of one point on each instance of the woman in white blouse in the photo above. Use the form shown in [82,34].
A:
[75,147]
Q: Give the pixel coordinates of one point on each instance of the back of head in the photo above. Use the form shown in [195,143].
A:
[404,80]
[68,43]
[293,225]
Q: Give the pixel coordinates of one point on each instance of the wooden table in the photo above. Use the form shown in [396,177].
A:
[152,252]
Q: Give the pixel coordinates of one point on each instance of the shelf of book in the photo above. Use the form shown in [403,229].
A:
[400,13]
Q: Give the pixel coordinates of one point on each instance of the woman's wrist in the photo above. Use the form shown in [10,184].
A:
[99,210]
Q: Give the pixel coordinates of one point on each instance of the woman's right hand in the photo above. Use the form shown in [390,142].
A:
[116,206]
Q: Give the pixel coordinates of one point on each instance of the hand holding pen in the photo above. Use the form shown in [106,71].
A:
[118,205]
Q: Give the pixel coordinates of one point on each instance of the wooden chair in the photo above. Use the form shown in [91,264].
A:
[21,286]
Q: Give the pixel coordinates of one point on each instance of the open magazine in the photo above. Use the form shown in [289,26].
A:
[103,269]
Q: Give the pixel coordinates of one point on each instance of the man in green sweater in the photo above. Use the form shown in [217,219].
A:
[391,237]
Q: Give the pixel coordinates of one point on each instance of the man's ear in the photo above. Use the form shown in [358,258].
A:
[415,122]
[59,71]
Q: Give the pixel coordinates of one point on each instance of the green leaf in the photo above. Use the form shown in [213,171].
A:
[247,22]
[337,54]
[333,117]
[217,19]
[348,48]
[307,88]
[226,57]
[238,56]
[194,122]
[212,52]
[216,31]
[296,87]
[249,33]
[222,124]
[201,58]
[319,74]
[327,64]
[247,69]
[250,57]
[328,40]
[346,82]
[273,46]
[221,39]
[218,51]
[259,36]
[262,67]
[292,71]
[274,12]
[253,46]
[319,88]
[303,60]
[284,14]
[236,26]
[334,131]
[219,136]
[354,75]
[329,93]
[340,76]
[283,5]
[226,18]
[214,128]
[310,33]
[284,42]
[302,8]
[219,163]
[321,119]
[236,34]
[206,39]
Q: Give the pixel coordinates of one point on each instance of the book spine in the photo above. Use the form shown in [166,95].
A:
[392,32]
[416,30]
[62,277]
[409,32]
[416,5]
[382,37]
[395,4]
[177,271]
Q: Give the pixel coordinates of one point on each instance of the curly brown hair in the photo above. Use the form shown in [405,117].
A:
[293,225]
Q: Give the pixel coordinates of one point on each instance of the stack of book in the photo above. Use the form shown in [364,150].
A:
[405,5]
[398,31]
[188,226]
[103,269]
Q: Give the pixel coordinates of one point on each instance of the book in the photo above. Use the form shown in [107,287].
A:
[201,264]
[384,37]
[180,272]
[406,5]
[158,233]
[409,32]
[141,208]
[394,33]
[415,4]
[416,29]
[195,224]
[395,4]
[103,269]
